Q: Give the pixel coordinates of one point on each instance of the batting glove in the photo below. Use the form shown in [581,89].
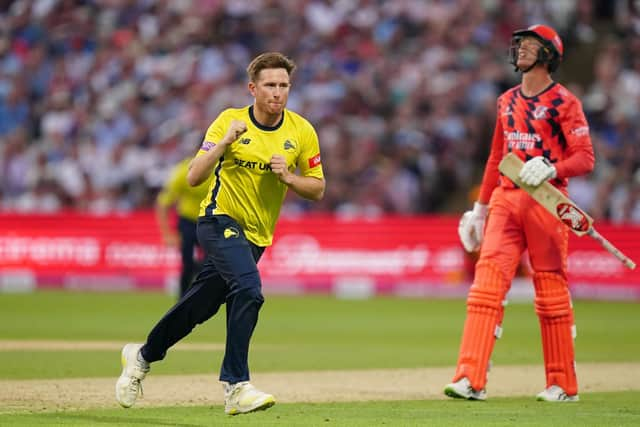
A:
[471,227]
[536,171]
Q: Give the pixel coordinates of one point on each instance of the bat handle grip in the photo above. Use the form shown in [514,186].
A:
[611,249]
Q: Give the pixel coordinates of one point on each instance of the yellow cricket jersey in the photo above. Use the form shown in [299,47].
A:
[178,191]
[243,186]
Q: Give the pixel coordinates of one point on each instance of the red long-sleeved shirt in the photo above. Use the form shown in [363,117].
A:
[550,124]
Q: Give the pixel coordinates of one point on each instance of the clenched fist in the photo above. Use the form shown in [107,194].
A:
[236,128]
[279,167]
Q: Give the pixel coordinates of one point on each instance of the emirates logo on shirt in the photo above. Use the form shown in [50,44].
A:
[521,140]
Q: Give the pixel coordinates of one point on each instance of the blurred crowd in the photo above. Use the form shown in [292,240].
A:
[100,98]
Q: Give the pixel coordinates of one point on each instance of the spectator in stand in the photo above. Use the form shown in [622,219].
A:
[128,68]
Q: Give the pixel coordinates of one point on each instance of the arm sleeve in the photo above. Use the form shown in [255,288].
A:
[579,158]
[309,161]
[491,172]
[215,132]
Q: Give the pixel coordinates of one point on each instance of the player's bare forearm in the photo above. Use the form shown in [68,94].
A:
[162,216]
[307,187]
[202,166]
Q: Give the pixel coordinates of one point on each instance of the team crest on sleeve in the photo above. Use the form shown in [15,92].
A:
[206,145]
[314,161]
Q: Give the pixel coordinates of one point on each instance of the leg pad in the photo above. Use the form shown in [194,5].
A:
[485,311]
[555,313]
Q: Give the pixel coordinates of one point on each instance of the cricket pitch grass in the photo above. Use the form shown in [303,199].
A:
[382,361]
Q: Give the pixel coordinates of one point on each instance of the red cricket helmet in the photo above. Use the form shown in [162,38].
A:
[552,47]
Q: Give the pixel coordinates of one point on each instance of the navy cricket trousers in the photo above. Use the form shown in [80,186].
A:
[188,241]
[229,275]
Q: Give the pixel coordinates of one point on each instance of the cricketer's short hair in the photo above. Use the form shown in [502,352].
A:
[269,60]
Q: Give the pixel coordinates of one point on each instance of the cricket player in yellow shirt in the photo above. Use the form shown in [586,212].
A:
[255,154]
[186,199]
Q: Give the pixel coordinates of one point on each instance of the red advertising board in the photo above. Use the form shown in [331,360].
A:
[418,256]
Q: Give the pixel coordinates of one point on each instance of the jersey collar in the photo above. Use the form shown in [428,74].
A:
[548,88]
[263,127]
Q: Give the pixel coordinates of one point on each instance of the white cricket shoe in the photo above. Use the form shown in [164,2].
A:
[129,385]
[243,397]
[556,394]
[461,389]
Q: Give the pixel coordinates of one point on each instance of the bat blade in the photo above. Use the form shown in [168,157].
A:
[552,199]
[560,206]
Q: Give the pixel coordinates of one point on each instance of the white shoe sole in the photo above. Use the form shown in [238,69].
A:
[452,392]
[267,403]
[568,399]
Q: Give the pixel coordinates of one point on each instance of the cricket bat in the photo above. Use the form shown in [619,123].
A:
[560,206]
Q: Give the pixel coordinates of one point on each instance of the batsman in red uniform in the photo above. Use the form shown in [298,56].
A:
[543,123]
